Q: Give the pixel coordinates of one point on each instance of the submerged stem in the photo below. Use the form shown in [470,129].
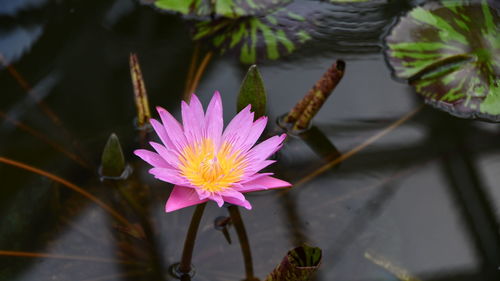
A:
[234,211]
[187,252]
[191,70]
[360,147]
[197,77]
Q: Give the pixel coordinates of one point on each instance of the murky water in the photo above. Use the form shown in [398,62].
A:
[423,199]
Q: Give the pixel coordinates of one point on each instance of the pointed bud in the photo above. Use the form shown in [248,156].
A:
[252,92]
[112,160]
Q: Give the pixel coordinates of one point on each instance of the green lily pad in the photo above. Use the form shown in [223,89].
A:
[222,8]
[269,37]
[450,53]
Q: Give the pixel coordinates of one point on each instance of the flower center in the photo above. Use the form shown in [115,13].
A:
[209,169]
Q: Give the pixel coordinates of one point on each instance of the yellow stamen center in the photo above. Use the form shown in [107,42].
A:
[209,169]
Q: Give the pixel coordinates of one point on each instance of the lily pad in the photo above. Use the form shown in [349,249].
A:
[222,8]
[450,53]
[270,37]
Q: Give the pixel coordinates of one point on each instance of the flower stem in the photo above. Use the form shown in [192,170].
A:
[234,212]
[187,253]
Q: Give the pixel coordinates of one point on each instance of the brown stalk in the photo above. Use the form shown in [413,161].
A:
[303,112]
[140,94]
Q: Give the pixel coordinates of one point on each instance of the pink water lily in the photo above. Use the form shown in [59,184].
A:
[205,162]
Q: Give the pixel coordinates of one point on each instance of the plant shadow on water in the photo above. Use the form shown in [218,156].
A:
[419,203]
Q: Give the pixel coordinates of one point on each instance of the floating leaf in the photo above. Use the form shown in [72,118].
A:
[224,8]
[252,92]
[347,1]
[450,53]
[270,36]
[112,161]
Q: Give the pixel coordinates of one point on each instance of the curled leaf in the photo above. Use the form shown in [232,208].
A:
[298,265]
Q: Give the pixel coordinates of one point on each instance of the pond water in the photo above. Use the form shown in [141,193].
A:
[423,200]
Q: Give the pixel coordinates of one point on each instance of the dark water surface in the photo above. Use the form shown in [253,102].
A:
[423,199]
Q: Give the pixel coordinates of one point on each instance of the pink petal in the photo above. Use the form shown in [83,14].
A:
[182,197]
[168,175]
[173,129]
[254,177]
[169,155]
[189,123]
[255,166]
[229,192]
[263,183]
[217,198]
[238,129]
[152,158]
[244,203]
[196,107]
[266,148]
[160,131]
[213,119]
[193,119]
[254,133]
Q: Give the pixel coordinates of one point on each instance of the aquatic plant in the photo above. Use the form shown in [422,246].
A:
[206,163]
[450,53]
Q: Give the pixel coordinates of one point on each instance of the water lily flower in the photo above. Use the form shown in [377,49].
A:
[205,162]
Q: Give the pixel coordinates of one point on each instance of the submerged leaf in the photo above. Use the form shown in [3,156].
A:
[271,36]
[224,8]
[252,92]
[450,53]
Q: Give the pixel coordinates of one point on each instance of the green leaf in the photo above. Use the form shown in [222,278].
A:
[221,8]
[112,161]
[271,36]
[252,92]
[450,53]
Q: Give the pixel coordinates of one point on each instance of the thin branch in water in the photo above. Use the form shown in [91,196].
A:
[400,273]
[68,184]
[119,276]
[197,77]
[62,257]
[41,104]
[39,135]
[360,147]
